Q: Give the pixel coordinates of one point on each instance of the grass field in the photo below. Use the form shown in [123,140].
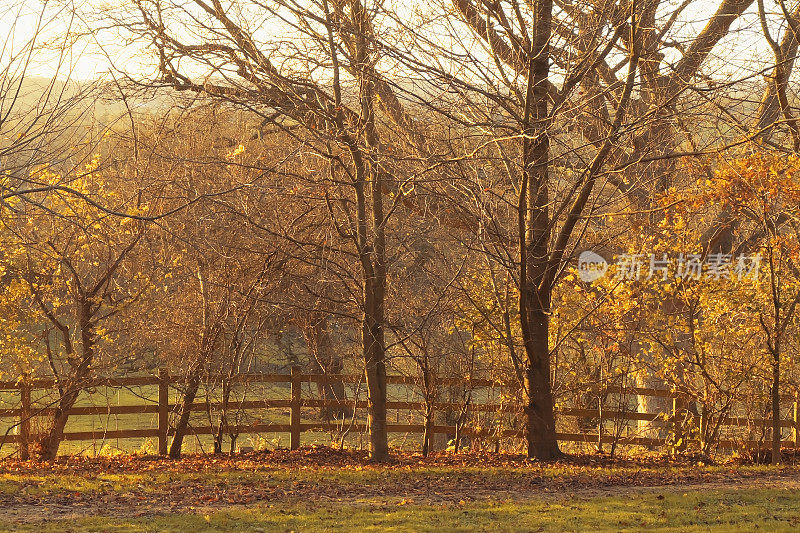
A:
[320,489]
[695,510]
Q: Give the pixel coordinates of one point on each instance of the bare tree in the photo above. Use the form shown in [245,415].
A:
[312,72]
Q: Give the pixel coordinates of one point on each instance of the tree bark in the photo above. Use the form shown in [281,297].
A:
[372,252]
[50,444]
[776,406]
[189,395]
[534,227]
[541,432]
[375,364]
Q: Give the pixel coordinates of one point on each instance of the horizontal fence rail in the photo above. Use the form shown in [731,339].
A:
[295,427]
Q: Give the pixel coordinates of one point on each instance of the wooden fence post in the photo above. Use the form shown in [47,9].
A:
[678,412]
[295,404]
[24,418]
[163,410]
[599,423]
[704,438]
[796,426]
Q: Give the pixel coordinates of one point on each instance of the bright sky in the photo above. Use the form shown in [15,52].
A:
[86,58]
[89,57]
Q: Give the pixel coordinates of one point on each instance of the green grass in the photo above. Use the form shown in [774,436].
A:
[718,510]
[205,494]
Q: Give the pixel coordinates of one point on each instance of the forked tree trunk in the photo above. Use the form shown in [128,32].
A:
[50,443]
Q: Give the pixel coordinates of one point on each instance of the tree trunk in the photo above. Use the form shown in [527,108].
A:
[189,395]
[49,444]
[770,107]
[234,438]
[219,437]
[52,441]
[541,430]
[372,254]
[427,434]
[375,364]
[429,392]
[534,228]
[776,407]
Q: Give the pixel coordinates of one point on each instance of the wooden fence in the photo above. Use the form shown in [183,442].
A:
[295,428]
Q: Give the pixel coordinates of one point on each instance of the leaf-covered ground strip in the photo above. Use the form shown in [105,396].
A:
[319,488]
[666,510]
